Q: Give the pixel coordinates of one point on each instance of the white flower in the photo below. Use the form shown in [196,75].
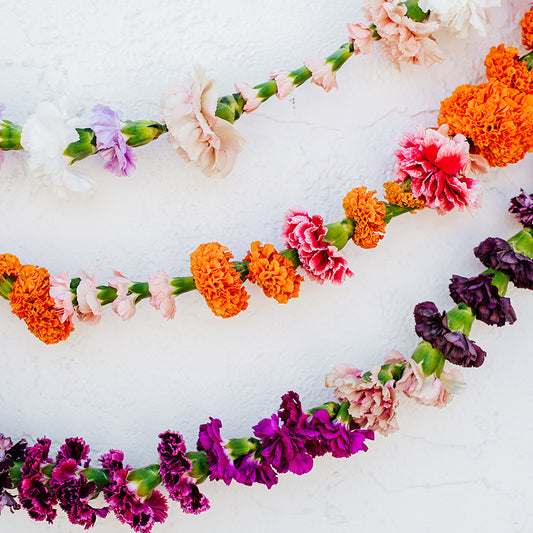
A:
[45,136]
[459,15]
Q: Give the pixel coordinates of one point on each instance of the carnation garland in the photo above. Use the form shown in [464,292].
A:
[290,439]
[200,127]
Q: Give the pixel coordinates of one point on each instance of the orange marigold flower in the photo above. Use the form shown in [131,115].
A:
[496,118]
[527,29]
[217,280]
[274,273]
[368,213]
[503,65]
[31,302]
[9,265]
[395,195]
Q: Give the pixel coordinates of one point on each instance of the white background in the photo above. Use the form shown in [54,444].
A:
[119,384]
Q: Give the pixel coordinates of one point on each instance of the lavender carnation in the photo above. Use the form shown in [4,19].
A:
[522,208]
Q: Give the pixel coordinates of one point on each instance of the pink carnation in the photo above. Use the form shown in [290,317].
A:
[89,306]
[372,404]
[62,295]
[322,73]
[439,167]
[320,259]
[403,39]
[362,37]
[161,291]
[284,82]
[250,95]
[123,304]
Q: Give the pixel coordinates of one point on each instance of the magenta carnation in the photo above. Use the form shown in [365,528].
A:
[319,258]
[439,167]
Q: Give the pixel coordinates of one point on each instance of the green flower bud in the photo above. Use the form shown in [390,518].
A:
[147,479]
[432,359]
[84,147]
[230,107]
[460,318]
[141,132]
[10,136]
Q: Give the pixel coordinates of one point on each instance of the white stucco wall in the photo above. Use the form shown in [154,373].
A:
[466,468]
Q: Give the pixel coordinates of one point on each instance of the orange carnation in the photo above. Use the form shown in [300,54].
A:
[368,213]
[217,280]
[31,302]
[9,265]
[274,273]
[527,29]
[503,65]
[498,119]
[395,195]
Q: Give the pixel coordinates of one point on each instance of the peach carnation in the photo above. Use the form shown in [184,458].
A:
[9,265]
[162,293]
[527,29]
[322,72]
[362,38]
[503,65]
[195,132]
[217,280]
[124,303]
[368,213]
[274,273]
[395,195]
[63,297]
[498,119]
[89,306]
[284,83]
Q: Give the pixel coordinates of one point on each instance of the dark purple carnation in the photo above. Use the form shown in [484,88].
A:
[457,348]
[293,417]
[482,296]
[254,470]
[522,208]
[175,471]
[9,454]
[499,255]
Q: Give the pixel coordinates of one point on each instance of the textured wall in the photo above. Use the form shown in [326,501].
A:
[464,468]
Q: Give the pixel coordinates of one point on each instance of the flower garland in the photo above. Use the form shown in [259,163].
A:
[490,124]
[290,439]
[200,127]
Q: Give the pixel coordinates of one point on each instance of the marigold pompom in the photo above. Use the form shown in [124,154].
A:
[274,273]
[368,213]
[498,119]
[527,29]
[503,65]
[31,302]
[395,195]
[217,280]
[9,265]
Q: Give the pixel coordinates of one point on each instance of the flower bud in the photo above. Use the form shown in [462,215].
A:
[141,132]
[230,107]
[84,147]
[242,447]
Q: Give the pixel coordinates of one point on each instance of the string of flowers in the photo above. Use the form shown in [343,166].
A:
[200,127]
[289,440]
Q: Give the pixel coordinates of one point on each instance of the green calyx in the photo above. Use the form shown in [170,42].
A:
[267,89]
[242,447]
[392,211]
[15,475]
[292,255]
[141,290]
[499,280]
[84,147]
[528,60]
[340,56]
[99,476]
[300,75]
[522,242]
[339,233]
[200,466]
[106,294]
[391,371]
[432,360]
[10,136]
[6,286]
[230,107]
[147,479]
[182,285]
[331,407]
[460,318]
[141,132]
[414,12]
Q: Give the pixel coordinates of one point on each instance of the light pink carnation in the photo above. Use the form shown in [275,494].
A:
[439,167]
[250,95]
[320,259]
[284,82]
[372,404]
[89,306]
[62,296]
[123,304]
[161,291]
[322,73]
[362,37]
[403,39]
[195,132]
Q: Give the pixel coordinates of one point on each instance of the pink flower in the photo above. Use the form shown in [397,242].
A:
[62,296]
[250,95]
[283,81]
[403,39]
[439,168]
[195,132]
[320,259]
[123,304]
[362,37]
[89,306]
[323,74]
[161,291]
[372,404]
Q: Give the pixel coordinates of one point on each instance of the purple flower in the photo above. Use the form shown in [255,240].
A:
[175,471]
[9,453]
[498,254]
[455,345]
[112,147]
[522,208]
[482,296]
[252,469]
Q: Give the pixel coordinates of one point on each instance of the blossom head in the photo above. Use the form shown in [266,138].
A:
[362,38]
[63,297]
[284,83]
[89,306]
[322,73]
[522,208]
[123,304]
[161,291]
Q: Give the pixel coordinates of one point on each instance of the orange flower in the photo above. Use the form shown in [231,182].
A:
[503,65]
[368,213]
[527,29]
[395,195]
[217,280]
[274,273]
[9,265]
[31,302]
[498,119]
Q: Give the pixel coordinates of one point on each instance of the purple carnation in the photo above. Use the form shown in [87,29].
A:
[118,156]
[252,469]
[455,345]
[9,454]
[482,296]
[499,255]
[522,208]
[175,471]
